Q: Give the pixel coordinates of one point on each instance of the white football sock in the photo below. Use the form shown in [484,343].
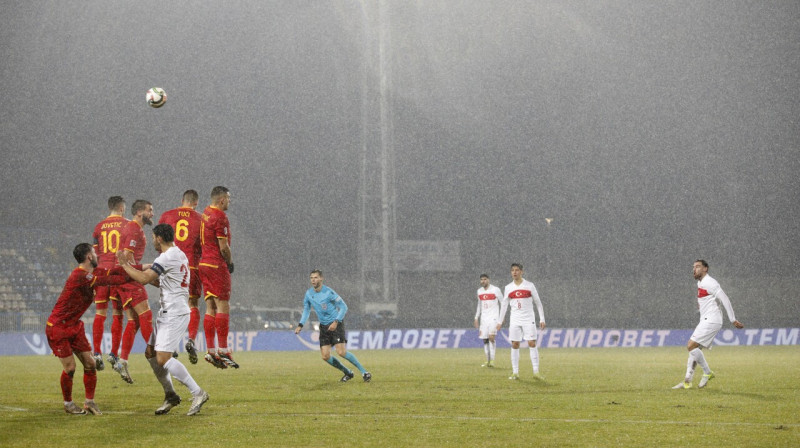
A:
[690,365]
[180,373]
[492,350]
[486,350]
[535,359]
[701,359]
[515,360]
[162,375]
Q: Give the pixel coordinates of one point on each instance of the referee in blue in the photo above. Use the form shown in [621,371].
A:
[330,309]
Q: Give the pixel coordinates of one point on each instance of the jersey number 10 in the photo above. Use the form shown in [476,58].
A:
[110,241]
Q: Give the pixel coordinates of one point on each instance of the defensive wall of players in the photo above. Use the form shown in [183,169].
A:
[35,343]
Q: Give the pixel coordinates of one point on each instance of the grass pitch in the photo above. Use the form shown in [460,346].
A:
[590,397]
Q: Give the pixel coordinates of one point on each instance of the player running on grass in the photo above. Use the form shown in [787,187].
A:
[709,297]
[330,309]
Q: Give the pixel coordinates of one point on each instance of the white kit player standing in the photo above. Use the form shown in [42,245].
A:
[709,298]
[171,271]
[488,312]
[520,295]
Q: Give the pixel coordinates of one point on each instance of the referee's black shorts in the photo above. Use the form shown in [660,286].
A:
[327,337]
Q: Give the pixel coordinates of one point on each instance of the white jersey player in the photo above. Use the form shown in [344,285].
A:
[710,301]
[489,297]
[520,295]
[171,269]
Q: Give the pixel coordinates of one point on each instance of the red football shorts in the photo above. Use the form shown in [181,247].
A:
[67,340]
[216,282]
[131,294]
[105,294]
[195,284]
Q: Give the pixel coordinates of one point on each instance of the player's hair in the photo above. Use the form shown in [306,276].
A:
[80,251]
[190,196]
[165,231]
[218,191]
[317,271]
[484,275]
[139,205]
[703,262]
[114,202]
[519,265]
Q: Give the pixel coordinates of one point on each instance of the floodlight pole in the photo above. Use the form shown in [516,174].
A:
[377,223]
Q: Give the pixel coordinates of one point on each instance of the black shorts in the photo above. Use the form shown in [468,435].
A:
[334,337]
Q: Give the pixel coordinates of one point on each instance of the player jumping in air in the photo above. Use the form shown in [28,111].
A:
[186,222]
[133,296]
[216,267]
[106,237]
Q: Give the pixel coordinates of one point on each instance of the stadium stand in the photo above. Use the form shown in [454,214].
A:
[31,271]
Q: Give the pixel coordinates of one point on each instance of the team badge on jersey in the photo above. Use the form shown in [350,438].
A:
[133,243]
[89,276]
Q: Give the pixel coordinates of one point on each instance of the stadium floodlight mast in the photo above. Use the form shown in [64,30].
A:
[377,223]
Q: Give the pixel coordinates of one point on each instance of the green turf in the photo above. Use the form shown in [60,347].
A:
[590,397]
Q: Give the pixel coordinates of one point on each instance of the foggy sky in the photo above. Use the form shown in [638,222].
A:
[652,133]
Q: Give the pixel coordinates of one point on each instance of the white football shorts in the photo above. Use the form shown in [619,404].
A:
[168,331]
[705,333]
[487,328]
[526,331]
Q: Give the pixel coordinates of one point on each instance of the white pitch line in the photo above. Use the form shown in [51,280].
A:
[11,408]
[558,420]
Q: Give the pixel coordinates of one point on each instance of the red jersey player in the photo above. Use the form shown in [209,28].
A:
[186,223]
[132,295]
[106,242]
[65,333]
[216,267]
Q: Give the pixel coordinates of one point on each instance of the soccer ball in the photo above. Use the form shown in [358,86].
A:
[156,97]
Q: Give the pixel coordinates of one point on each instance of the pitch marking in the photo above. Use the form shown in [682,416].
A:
[559,420]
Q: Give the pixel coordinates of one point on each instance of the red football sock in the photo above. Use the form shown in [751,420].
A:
[127,339]
[116,334]
[90,382]
[97,332]
[146,324]
[66,385]
[210,331]
[221,323]
[194,322]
